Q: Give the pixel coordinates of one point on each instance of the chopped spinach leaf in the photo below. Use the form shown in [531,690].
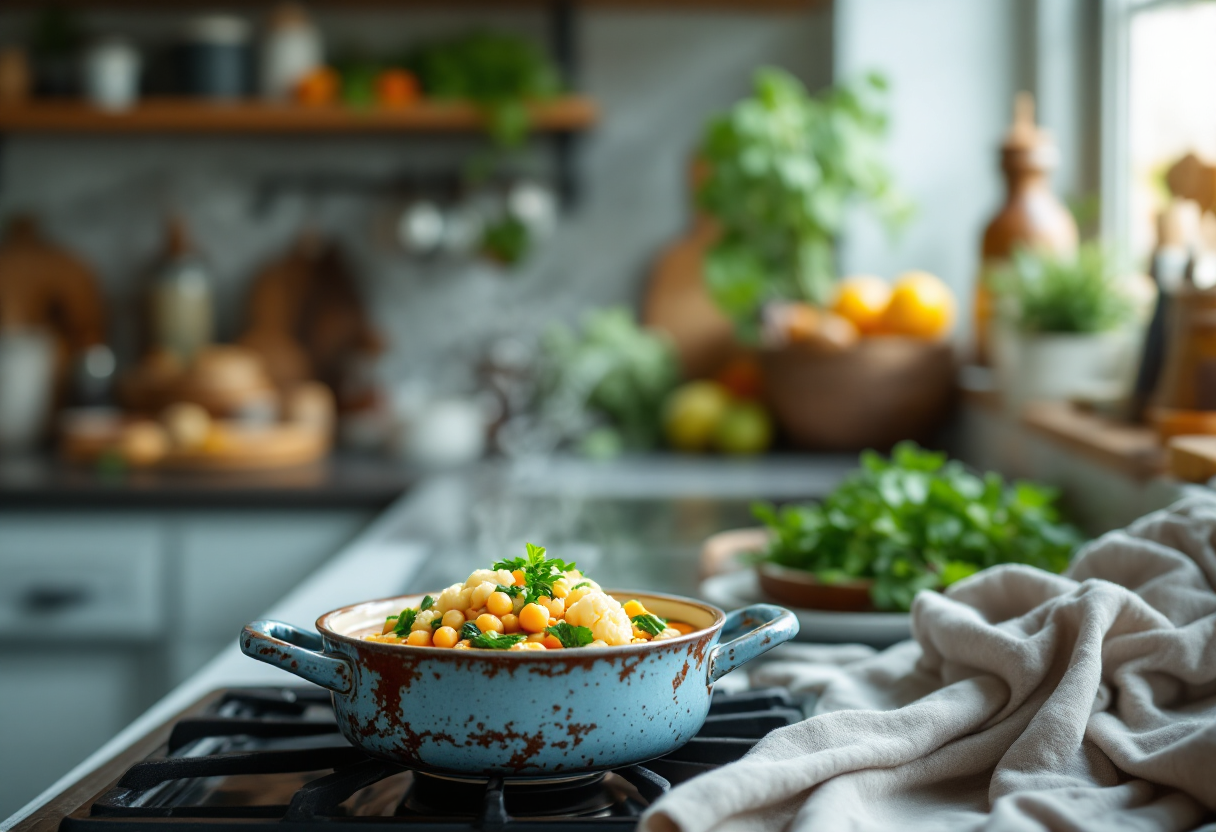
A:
[491,640]
[470,630]
[405,622]
[570,635]
[427,603]
[650,623]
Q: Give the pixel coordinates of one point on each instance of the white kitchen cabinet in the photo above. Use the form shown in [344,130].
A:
[101,613]
[59,707]
[233,565]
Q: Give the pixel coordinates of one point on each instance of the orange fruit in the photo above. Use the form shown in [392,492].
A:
[319,87]
[863,299]
[921,306]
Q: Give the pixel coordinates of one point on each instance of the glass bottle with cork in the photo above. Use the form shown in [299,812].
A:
[1032,216]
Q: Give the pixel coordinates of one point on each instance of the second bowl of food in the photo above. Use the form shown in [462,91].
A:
[527,668]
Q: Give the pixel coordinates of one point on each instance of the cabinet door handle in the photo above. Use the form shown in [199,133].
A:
[48,599]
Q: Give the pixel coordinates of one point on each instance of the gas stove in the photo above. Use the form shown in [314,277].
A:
[248,759]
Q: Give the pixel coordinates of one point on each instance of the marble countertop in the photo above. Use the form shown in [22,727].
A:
[641,516]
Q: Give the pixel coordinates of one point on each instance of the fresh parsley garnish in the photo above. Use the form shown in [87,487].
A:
[650,623]
[427,603]
[570,635]
[512,591]
[491,640]
[405,622]
[470,630]
[540,572]
[436,623]
[391,618]
[581,584]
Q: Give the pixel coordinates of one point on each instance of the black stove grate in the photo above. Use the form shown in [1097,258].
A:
[275,756]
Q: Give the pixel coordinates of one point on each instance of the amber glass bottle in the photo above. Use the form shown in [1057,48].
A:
[1032,216]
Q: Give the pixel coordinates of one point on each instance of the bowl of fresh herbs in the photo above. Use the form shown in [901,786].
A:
[914,521]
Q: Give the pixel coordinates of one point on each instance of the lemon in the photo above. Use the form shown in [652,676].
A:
[692,413]
[921,306]
[862,299]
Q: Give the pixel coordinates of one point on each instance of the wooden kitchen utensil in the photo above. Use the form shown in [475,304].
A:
[676,300]
[1031,217]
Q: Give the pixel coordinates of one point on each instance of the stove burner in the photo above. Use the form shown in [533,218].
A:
[257,757]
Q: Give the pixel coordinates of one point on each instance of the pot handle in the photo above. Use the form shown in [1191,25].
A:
[297,651]
[771,625]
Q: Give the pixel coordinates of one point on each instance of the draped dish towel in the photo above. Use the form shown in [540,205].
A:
[1026,701]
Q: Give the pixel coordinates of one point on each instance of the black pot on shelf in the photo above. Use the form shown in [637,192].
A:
[215,59]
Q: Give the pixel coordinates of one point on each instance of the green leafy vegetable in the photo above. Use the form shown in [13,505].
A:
[512,591]
[497,71]
[581,584]
[783,167]
[405,621]
[570,635]
[650,623]
[469,630]
[496,641]
[1083,293]
[539,572]
[427,603]
[436,623]
[603,387]
[916,521]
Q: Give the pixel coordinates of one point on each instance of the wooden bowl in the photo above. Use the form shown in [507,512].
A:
[726,551]
[797,588]
[884,389]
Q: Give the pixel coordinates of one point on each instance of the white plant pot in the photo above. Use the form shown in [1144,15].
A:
[1059,367]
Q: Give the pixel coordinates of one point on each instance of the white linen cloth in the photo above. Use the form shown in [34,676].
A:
[1026,701]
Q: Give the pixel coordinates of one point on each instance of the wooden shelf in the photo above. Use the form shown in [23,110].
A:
[184,115]
[1134,450]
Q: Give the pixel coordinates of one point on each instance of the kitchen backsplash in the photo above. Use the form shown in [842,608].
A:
[656,75]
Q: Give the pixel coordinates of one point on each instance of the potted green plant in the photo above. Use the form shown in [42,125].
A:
[781,169]
[1065,326]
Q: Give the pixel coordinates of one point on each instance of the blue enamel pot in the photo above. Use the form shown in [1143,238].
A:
[519,713]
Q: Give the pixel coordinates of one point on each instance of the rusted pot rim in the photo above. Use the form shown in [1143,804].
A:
[523,655]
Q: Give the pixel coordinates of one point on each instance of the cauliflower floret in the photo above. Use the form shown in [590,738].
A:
[603,615]
[423,620]
[477,599]
[455,597]
[496,577]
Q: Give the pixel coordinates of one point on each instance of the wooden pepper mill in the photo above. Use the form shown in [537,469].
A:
[1032,216]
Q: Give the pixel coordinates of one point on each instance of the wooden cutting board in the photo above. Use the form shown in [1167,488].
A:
[677,303]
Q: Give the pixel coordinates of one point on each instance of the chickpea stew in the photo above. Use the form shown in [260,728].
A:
[526,603]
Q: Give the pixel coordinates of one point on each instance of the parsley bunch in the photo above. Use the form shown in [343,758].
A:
[539,572]
[917,521]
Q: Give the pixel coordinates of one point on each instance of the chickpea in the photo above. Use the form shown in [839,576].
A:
[499,603]
[445,637]
[510,623]
[471,614]
[555,606]
[552,642]
[419,638]
[463,644]
[454,619]
[536,637]
[519,576]
[561,588]
[528,645]
[533,618]
[488,622]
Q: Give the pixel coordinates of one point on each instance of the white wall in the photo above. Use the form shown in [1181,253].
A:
[954,68]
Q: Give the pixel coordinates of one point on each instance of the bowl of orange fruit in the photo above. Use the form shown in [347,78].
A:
[871,368]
